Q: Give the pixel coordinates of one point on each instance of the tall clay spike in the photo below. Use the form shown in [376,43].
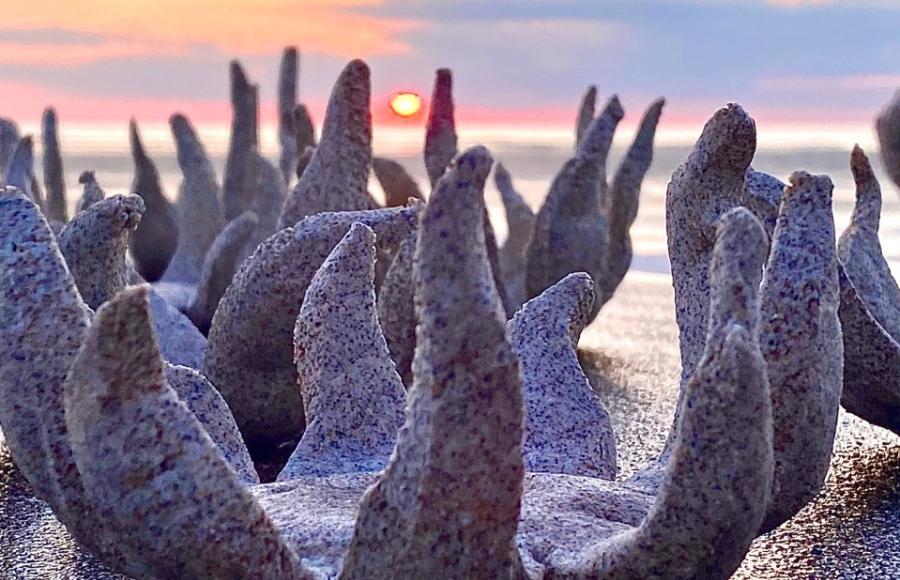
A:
[54,178]
[9,138]
[219,267]
[728,408]
[150,468]
[520,220]
[445,506]
[91,192]
[267,203]
[396,314]
[440,132]
[887,125]
[801,344]
[398,185]
[155,241]
[287,102]
[353,398]
[596,142]
[20,173]
[95,246]
[571,234]
[624,198]
[567,429]
[304,128]
[200,216]
[586,111]
[236,193]
[249,358]
[338,173]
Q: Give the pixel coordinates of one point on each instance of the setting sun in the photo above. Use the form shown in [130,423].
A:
[406,104]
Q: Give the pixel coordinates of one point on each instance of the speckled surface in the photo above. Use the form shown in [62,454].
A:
[520,220]
[398,185]
[762,195]
[180,342]
[440,129]
[396,313]
[337,175]
[200,216]
[250,358]
[353,398]
[55,206]
[571,233]
[95,246]
[152,473]
[271,192]
[153,243]
[236,193]
[887,125]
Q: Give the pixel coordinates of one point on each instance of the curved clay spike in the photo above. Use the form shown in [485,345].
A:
[596,142]
[800,338]
[353,398]
[396,314]
[219,267]
[150,468]
[45,319]
[440,131]
[267,202]
[211,410]
[200,218]
[513,255]
[398,185]
[887,125]
[586,111]
[92,192]
[571,234]
[304,128]
[236,193]
[303,161]
[54,178]
[493,255]
[624,197]
[9,138]
[762,195]
[20,173]
[249,357]
[95,246]
[567,429]
[287,102]
[154,243]
[446,506]
[338,172]
[728,408]
[702,189]
[860,250]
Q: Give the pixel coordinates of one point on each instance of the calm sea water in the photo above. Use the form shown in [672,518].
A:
[533,156]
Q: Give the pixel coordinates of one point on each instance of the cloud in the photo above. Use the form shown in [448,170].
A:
[852,82]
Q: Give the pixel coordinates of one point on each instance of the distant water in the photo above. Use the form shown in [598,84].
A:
[532,156]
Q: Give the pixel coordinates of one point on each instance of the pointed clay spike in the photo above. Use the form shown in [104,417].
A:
[236,192]
[20,173]
[92,192]
[762,195]
[567,429]
[729,409]
[396,314]
[304,128]
[887,125]
[801,344]
[154,242]
[287,102]
[443,505]
[398,185]
[249,358]
[338,172]
[54,179]
[210,409]
[45,319]
[9,137]
[303,161]
[271,192]
[585,113]
[353,398]
[200,218]
[95,246]
[520,220]
[219,267]
[440,132]
[867,211]
[624,197]
[150,468]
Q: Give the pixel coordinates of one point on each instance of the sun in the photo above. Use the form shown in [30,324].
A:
[406,104]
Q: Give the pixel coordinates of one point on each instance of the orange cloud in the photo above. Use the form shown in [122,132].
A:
[234,26]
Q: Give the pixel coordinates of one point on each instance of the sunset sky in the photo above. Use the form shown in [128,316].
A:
[515,61]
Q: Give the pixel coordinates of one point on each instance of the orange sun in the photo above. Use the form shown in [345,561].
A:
[406,104]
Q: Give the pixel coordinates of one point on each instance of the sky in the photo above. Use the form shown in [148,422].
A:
[525,62]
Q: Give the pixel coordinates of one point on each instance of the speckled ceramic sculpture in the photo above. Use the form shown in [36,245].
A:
[887,126]
[54,178]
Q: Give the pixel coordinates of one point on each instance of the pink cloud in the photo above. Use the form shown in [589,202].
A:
[857,82]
